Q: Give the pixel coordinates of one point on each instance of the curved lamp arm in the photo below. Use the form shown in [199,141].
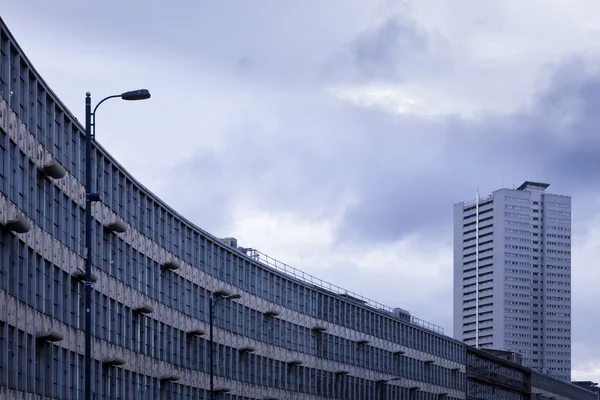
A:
[132,95]
[103,100]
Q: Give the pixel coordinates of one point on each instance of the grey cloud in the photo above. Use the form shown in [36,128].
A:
[284,43]
[520,146]
[377,54]
[393,51]
[405,171]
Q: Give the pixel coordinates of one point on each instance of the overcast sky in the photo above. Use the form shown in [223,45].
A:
[335,136]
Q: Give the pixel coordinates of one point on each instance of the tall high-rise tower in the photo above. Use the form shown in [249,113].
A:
[512,275]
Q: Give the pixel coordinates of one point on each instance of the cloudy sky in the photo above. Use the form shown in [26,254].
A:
[336,136]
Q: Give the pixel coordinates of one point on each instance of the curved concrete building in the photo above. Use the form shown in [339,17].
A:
[288,335]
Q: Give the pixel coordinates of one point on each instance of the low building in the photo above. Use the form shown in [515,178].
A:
[589,385]
[499,375]
[547,387]
[492,377]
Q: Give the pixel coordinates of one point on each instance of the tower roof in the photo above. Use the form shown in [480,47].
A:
[533,185]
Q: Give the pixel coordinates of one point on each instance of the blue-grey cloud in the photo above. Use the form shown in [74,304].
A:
[392,51]
[527,145]
[377,54]
[405,171]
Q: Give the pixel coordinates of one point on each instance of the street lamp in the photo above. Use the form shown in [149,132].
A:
[90,197]
[214,300]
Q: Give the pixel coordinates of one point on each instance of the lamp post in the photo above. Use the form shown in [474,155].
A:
[214,300]
[90,197]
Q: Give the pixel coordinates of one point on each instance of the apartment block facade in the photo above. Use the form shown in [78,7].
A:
[512,275]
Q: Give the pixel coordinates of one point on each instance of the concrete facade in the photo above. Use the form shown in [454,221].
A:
[512,275]
[289,336]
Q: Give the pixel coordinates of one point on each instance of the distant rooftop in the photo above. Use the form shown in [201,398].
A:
[507,355]
[527,185]
[533,185]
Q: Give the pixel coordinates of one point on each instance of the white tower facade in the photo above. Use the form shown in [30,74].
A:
[512,275]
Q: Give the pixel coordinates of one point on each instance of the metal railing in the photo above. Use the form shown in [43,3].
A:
[484,199]
[303,276]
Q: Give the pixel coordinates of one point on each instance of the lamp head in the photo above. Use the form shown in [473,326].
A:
[233,296]
[133,95]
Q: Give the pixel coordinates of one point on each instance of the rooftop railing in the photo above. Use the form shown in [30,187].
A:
[303,276]
[485,199]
